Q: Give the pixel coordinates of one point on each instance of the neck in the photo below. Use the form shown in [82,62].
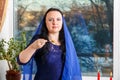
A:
[54,38]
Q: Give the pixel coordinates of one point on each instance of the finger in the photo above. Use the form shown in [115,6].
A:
[45,41]
[42,42]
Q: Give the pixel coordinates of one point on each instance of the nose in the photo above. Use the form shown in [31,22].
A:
[54,21]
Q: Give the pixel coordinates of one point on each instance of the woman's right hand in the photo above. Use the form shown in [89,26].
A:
[39,43]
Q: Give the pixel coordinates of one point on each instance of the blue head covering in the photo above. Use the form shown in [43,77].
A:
[71,69]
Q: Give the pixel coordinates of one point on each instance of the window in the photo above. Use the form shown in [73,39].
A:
[90,23]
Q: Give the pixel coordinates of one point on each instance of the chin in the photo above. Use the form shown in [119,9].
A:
[55,31]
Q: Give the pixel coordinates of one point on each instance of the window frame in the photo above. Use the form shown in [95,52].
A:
[116,46]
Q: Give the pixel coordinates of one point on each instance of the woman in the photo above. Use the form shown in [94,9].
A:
[52,49]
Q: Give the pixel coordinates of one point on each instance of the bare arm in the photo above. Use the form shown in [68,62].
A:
[26,54]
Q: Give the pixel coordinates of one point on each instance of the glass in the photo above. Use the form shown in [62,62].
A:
[90,23]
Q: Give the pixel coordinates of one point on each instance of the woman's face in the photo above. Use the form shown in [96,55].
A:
[54,21]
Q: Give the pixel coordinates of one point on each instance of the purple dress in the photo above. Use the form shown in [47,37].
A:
[49,65]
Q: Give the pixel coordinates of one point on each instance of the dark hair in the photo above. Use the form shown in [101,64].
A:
[44,32]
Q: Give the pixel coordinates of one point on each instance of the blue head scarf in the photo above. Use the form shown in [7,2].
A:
[71,69]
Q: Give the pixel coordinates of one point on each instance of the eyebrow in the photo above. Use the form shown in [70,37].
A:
[53,17]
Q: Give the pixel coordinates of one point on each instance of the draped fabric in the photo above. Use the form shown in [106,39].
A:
[71,69]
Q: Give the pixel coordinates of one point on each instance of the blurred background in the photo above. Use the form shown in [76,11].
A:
[90,23]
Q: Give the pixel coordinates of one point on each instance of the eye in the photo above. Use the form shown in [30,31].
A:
[58,19]
[51,19]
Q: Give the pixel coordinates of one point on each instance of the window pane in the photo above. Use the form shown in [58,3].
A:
[90,23]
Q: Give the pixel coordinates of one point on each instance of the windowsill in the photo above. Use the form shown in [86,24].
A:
[90,78]
[94,78]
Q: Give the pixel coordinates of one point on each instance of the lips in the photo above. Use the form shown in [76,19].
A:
[54,26]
